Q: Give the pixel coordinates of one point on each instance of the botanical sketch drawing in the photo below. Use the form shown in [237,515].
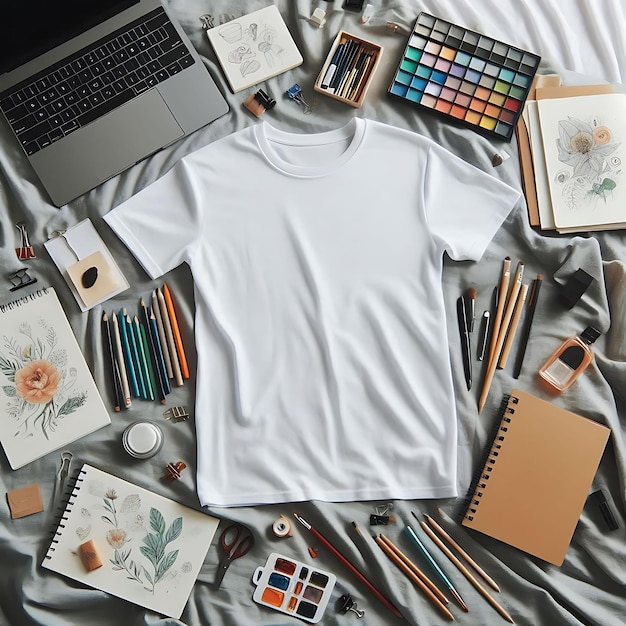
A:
[254,46]
[154,560]
[588,148]
[43,386]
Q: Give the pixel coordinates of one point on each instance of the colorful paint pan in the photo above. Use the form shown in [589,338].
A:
[293,587]
[464,76]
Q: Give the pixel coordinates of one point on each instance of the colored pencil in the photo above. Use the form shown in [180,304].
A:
[145,363]
[490,581]
[416,570]
[158,349]
[349,565]
[115,373]
[117,345]
[136,358]
[169,335]
[130,365]
[169,301]
[158,363]
[162,337]
[436,567]
[402,561]
[528,321]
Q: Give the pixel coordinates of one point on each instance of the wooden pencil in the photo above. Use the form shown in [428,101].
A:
[483,592]
[490,581]
[169,301]
[510,336]
[416,570]
[412,576]
[169,335]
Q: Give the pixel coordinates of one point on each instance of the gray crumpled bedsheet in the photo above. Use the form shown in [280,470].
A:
[590,586]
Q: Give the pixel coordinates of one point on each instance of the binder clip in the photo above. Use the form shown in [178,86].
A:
[259,102]
[25,251]
[176,414]
[20,279]
[207,20]
[383,515]
[318,18]
[295,93]
[174,470]
[347,603]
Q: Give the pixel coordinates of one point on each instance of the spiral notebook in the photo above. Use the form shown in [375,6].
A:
[48,397]
[536,477]
[150,548]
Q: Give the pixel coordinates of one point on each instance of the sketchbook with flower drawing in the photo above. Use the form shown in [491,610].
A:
[254,48]
[584,146]
[150,548]
[48,397]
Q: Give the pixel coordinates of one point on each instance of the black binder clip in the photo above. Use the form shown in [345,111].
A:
[295,93]
[176,414]
[259,102]
[347,603]
[379,520]
[20,279]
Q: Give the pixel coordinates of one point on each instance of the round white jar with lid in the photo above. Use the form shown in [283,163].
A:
[142,439]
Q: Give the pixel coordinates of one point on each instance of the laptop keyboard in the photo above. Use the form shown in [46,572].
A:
[94,81]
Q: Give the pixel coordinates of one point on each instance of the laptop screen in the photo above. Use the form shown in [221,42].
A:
[29,28]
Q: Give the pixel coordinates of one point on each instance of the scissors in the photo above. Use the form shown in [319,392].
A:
[236,541]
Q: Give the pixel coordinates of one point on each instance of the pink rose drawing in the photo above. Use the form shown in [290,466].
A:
[116,538]
[37,382]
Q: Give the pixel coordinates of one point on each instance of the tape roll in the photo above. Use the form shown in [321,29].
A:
[282,527]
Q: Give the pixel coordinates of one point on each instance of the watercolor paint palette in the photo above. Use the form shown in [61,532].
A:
[292,587]
[464,76]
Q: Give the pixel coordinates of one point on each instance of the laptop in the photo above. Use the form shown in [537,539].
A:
[91,87]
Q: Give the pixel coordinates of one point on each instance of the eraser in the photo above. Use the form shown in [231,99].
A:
[575,287]
[89,555]
[25,501]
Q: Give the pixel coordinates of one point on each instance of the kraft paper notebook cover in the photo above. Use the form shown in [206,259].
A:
[151,548]
[48,397]
[537,476]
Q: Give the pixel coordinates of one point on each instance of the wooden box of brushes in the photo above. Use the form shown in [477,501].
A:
[348,70]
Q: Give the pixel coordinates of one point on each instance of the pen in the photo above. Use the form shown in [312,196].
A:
[532,305]
[484,333]
[130,365]
[429,557]
[461,310]
[332,68]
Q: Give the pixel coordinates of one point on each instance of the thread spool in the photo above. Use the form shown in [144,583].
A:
[282,527]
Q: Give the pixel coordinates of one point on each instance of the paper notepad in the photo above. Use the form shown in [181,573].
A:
[151,547]
[48,397]
[254,48]
[537,477]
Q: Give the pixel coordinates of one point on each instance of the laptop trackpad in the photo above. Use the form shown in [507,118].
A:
[91,155]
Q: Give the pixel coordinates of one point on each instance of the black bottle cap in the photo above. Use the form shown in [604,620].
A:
[590,334]
[575,287]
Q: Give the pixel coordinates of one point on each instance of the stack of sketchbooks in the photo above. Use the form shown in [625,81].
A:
[572,144]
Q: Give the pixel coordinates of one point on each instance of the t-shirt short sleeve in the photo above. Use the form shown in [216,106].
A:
[464,206]
[162,223]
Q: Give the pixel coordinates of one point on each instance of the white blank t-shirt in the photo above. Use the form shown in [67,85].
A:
[323,367]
